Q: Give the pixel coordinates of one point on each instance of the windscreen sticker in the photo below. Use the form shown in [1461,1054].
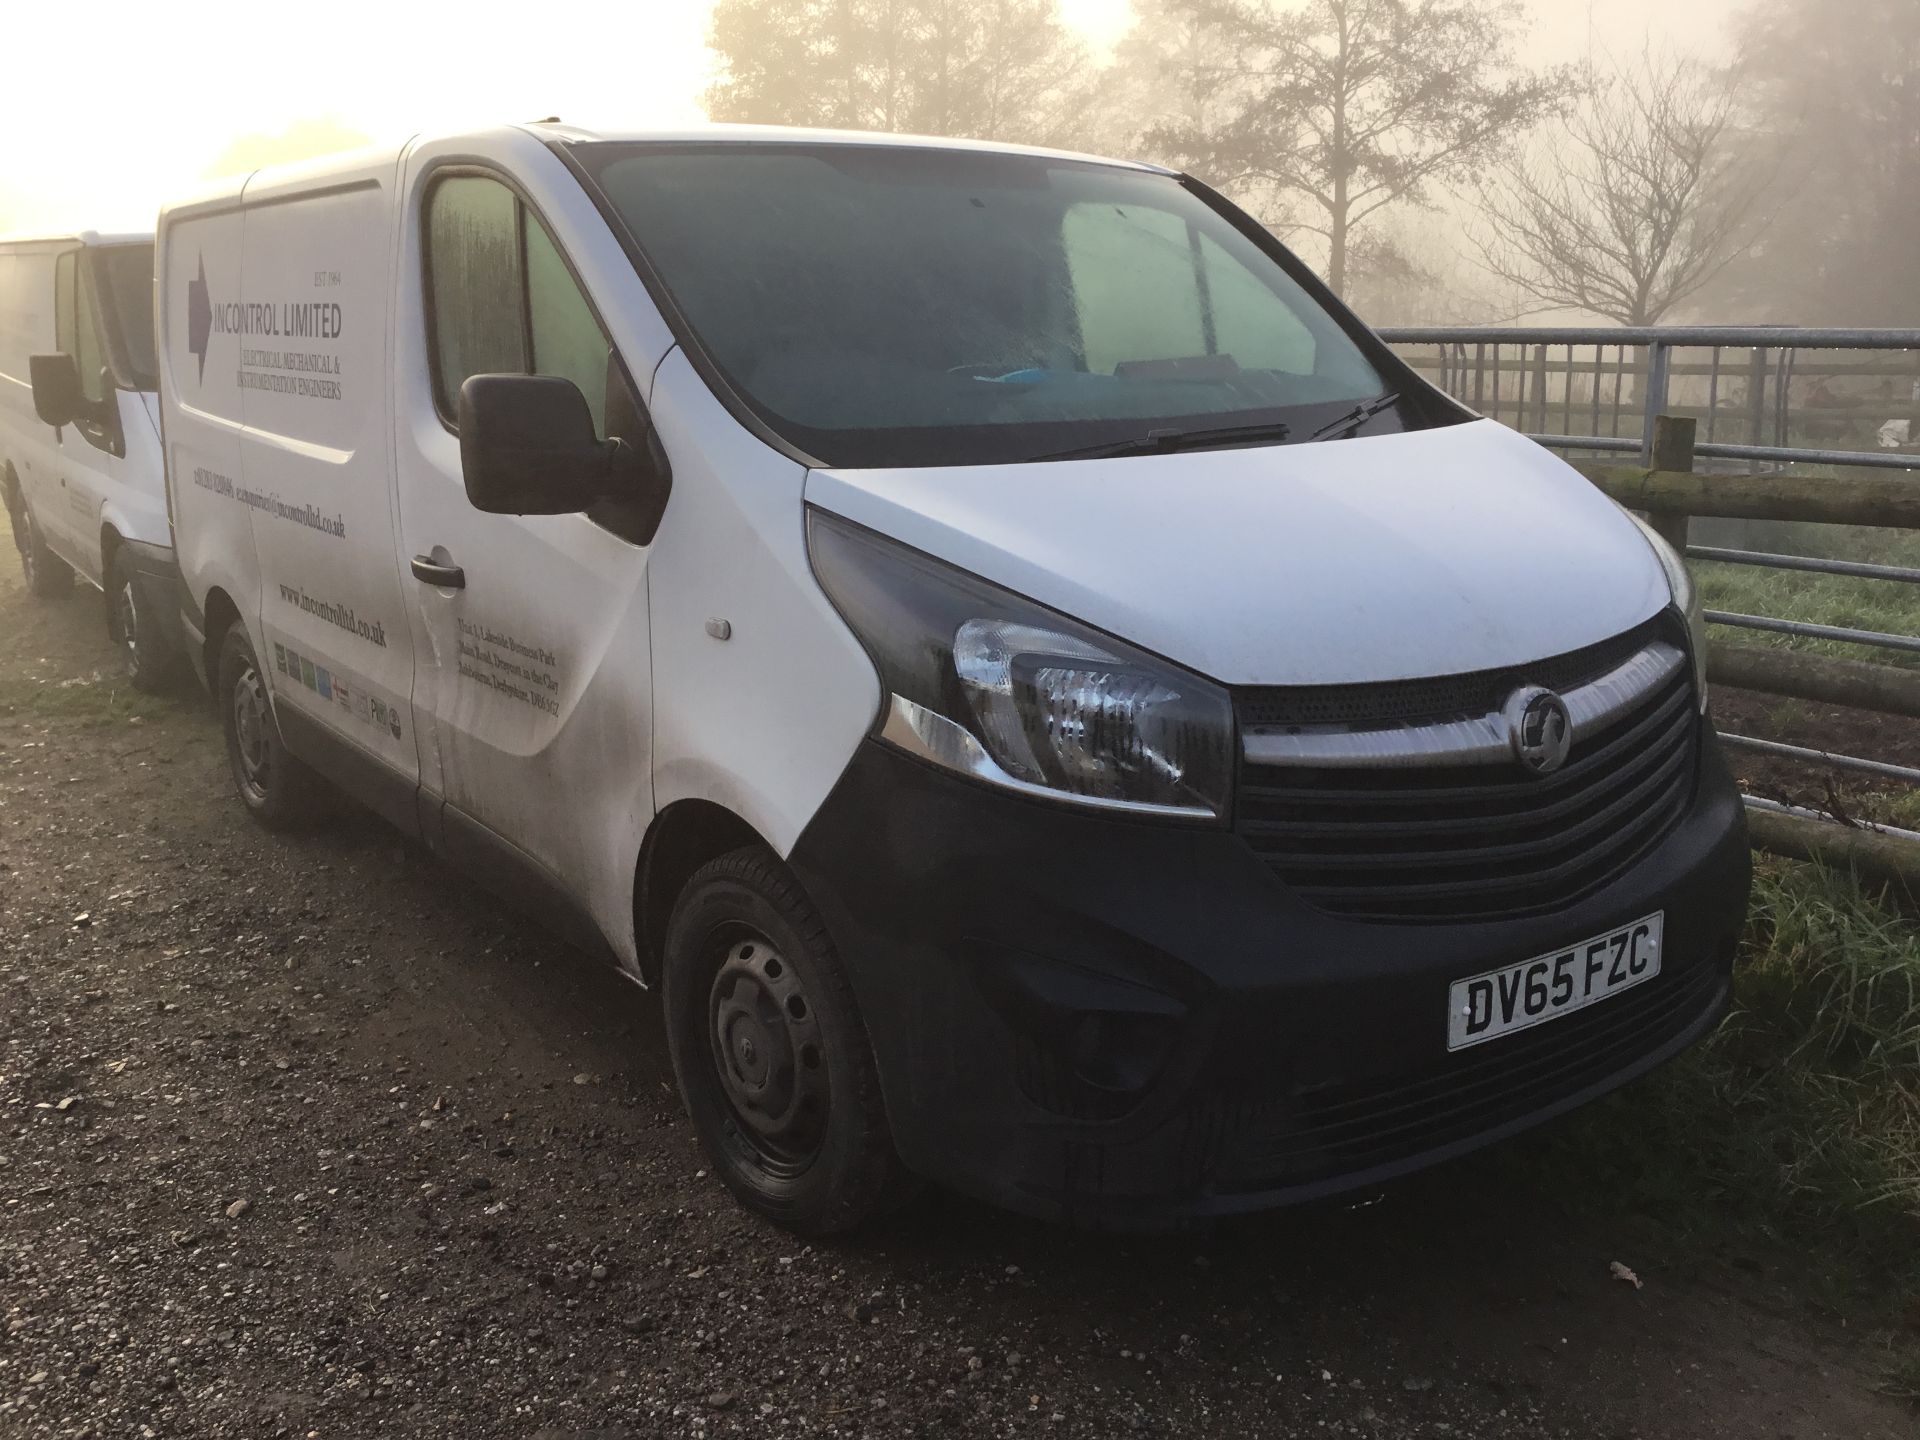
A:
[283,369]
[351,696]
[504,663]
[310,516]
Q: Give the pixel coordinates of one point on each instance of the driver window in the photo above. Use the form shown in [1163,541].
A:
[474,274]
[503,300]
[566,339]
[75,331]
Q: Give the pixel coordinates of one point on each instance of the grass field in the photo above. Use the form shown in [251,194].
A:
[1886,606]
[1798,1122]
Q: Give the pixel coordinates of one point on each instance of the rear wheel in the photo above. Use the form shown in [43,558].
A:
[149,662]
[771,1054]
[48,576]
[278,789]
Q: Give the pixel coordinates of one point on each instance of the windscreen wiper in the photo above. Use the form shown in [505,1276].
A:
[1355,418]
[1166,442]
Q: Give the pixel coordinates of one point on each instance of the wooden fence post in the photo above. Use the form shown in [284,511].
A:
[1673,437]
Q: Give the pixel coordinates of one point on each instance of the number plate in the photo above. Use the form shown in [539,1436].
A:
[1516,997]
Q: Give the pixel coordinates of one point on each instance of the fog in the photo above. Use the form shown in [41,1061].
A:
[169,95]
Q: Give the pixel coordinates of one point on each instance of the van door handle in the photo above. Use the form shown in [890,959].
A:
[447,577]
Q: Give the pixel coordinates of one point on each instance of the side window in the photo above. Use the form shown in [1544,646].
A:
[504,301]
[475,275]
[63,278]
[75,331]
[87,353]
[566,339]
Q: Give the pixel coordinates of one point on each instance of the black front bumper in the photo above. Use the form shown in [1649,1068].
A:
[1134,1023]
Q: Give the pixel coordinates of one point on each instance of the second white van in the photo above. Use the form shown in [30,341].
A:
[1056,707]
[80,462]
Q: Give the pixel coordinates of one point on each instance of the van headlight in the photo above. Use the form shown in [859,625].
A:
[1686,599]
[1008,692]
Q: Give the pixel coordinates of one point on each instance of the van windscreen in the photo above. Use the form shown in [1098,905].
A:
[896,306]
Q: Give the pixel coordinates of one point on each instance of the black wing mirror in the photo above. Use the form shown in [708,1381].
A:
[527,447]
[57,398]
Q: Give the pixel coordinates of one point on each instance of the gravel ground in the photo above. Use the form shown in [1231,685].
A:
[303,1136]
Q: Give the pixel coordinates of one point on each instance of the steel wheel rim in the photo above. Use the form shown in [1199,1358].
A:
[126,612]
[252,734]
[768,1054]
[27,564]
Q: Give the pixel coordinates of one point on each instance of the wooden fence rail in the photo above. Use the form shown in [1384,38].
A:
[1671,493]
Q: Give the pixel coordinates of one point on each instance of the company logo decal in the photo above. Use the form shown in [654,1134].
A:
[277,366]
[368,709]
[199,318]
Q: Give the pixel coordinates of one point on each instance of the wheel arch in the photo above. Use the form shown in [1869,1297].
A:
[110,539]
[220,613]
[13,496]
[683,837]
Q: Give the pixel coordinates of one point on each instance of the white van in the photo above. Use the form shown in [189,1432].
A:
[1057,707]
[80,462]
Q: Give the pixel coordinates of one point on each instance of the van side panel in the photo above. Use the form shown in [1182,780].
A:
[765,722]
[202,419]
[303,338]
[26,329]
[26,307]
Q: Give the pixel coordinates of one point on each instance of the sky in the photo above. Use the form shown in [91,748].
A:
[98,132]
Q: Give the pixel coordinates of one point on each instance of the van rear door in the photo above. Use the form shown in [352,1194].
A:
[302,333]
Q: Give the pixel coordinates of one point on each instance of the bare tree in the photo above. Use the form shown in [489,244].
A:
[990,69]
[1630,204]
[1353,105]
[1175,69]
[1831,89]
[1176,80]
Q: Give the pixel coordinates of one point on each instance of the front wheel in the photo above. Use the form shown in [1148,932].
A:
[149,663]
[48,576]
[278,789]
[771,1054]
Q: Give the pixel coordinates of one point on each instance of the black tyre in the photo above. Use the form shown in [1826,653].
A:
[48,576]
[150,661]
[771,1054]
[278,789]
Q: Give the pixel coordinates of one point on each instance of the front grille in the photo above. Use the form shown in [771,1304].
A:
[1457,843]
[1437,697]
[1338,1130]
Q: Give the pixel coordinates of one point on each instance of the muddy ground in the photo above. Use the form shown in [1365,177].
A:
[303,1136]
[1891,739]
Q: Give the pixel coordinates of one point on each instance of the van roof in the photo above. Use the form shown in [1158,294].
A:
[800,135]
[77,237]
[327,168]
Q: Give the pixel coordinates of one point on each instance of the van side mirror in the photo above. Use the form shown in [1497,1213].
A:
[527,447]
[57,398]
